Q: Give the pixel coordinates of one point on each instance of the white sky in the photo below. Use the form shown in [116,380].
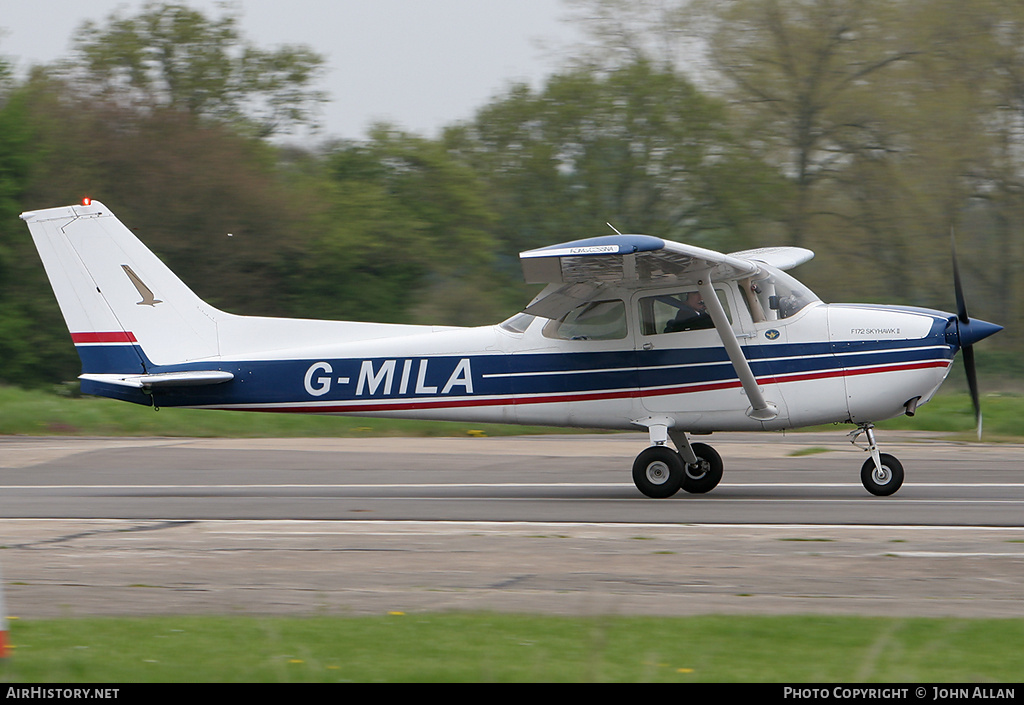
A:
[421,64]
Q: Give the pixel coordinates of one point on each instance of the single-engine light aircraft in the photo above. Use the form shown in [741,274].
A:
[632,332]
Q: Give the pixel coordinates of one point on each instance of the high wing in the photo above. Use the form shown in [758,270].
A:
[640,260]
[584,267]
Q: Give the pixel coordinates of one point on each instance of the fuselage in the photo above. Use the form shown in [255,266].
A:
[820,364]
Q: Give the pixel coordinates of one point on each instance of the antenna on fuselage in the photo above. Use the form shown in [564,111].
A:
[613,228]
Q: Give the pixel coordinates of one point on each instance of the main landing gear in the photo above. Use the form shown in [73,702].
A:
[881,474]
[660,472]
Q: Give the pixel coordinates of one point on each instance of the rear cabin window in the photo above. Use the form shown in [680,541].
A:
[594,320]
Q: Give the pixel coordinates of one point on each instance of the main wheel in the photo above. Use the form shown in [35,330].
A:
[706,474]
[887,481]
[658,472]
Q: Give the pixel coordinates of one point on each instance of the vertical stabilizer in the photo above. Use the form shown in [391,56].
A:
[124,308]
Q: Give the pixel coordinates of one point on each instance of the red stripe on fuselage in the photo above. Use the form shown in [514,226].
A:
[116,336]
[406,405]
[854,372]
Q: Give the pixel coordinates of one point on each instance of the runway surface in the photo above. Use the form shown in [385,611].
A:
[545,523]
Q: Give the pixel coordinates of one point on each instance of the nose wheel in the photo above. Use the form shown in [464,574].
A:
[881,474]
[884,479]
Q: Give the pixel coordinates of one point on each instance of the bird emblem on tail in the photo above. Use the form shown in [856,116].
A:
[148,299]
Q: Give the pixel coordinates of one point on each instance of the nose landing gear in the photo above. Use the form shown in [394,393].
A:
[881,474]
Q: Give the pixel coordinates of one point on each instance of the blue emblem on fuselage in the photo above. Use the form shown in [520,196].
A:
[772,334]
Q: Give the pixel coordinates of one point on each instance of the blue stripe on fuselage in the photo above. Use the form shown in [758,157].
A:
[497,375]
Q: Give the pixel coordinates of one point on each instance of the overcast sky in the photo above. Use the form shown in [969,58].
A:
[421,64]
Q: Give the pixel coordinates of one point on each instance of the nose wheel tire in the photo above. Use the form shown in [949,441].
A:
[706,474]
[885,482]
[658,472]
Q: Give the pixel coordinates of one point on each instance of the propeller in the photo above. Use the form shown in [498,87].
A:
[969,332]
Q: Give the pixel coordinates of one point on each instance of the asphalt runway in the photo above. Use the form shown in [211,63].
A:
[542,524]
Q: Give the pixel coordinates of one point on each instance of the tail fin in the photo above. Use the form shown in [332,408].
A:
[125,309]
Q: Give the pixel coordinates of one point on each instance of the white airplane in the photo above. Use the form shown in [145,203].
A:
[632,331]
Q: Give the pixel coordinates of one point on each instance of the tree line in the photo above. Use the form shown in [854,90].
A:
[865,130]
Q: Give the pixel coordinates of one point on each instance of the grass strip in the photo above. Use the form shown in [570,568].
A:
[460,647]
[41,413]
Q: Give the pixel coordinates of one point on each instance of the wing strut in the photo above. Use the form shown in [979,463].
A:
[760,410]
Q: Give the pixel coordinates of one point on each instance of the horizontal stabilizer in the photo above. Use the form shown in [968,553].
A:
[195,378]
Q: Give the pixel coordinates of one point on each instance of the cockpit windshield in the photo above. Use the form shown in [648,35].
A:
[772,295]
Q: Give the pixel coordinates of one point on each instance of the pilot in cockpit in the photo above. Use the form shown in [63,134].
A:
[692,314]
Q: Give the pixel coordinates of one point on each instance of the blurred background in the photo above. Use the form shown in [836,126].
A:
[866,130]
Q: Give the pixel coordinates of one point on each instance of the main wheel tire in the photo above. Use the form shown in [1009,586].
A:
[706,474]
[658,472]
[885,483]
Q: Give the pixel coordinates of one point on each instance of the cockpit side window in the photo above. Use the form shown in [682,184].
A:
[676,312]
[594,320]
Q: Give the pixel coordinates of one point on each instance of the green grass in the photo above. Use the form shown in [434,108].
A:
[42,413]
[815,450]
[515,648]
[954,413]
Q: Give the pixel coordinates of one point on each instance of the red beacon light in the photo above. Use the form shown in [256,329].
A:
[86,201]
